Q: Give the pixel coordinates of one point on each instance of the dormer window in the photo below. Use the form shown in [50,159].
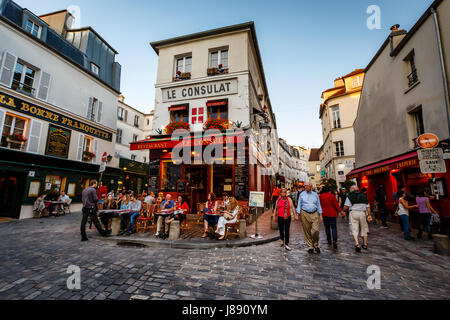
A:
[33,28]
[95,68]
[357,81]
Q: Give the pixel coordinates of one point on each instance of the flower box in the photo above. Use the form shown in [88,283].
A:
[182,76]
[174,125]
[216,71]
[218,124]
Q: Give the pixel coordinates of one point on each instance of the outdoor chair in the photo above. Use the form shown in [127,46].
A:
[67,207]
[200,208]
[142,223]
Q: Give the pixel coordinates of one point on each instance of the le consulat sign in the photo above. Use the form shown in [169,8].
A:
[200,90]
[27,108]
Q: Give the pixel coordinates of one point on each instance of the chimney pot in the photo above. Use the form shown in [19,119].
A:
[395,27]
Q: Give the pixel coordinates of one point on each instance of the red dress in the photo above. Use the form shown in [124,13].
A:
[329,204]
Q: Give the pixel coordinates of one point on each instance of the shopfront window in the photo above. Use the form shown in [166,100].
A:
[13,135]
[54,184]
[222,180]
[171,173]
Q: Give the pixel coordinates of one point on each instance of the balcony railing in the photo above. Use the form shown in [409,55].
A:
[23,88]
[216,71]
[412,78]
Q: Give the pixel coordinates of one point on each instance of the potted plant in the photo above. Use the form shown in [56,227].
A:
[87,155]
[218,124]
[174,125]
[15,138]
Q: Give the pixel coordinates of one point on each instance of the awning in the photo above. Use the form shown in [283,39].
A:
[167,142]
[400,162]
[180,107]
[216,103]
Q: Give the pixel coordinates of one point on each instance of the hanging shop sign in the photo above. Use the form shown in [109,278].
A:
[29,109]
[432,161]
[200,90]
[58,142]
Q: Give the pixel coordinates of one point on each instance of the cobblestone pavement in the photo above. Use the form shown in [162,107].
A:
[35,255]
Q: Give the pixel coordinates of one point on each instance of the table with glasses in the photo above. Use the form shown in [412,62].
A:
[165,214]
[53,205]
[115,216]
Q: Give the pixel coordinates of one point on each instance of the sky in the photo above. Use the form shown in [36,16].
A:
[304,44]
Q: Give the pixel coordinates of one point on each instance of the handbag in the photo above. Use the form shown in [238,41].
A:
[228,216]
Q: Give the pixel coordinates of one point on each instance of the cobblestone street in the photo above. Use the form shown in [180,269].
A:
[36,254]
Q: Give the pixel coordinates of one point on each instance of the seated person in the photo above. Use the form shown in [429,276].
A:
[63,197]
[210,220]
[125,205]
[228,218]
[106,218]
[181,210]
[226,202]
[135,207]
[39,204]
[167,204]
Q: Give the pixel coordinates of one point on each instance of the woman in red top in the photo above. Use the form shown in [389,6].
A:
[331,209]
[284,213]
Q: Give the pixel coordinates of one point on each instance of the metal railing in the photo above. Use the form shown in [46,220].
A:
[22,87]
[412,78]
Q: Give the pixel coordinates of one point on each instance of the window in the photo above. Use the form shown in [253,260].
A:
[88,144]
[13,128]
[357,81]
[148,122]
[171,173]
[339,149]
[95,69]
[33,28]
[183,65]
[135,137]
[120,113]
[219,57]
[418,119]
[136,121]
[23,78]
[95,110]
[119,136]
[336,117]
[180,116]
[198,115]
[411,68]
[217,109]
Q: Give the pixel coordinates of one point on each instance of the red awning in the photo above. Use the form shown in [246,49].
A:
[169,143]
[400,162]
[216,103]
[178,107]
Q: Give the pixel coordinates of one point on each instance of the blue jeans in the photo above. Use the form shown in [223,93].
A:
[405,224]
[330,222]
[424,224]
[133,216]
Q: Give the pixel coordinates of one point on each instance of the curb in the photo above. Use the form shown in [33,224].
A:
[180,244]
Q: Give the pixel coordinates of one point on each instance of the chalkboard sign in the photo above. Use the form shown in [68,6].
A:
[241,182]
[181,186]
[153,178]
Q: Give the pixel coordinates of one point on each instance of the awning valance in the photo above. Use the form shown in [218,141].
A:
[167,142]
[180,107]
[400,162]
[216,103]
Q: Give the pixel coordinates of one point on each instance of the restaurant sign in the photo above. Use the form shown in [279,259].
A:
[58,142]
[410,163]
[200,90]
[29,109]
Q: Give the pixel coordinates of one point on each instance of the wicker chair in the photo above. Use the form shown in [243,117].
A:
[142,223]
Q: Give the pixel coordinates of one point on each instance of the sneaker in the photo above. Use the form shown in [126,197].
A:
[317,250]
[157,234]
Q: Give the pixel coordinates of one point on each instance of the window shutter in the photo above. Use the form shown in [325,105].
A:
[35,136]
[95,151]
[94,111]
[100,111]
[126,116]
[44,86]
[80,147]
[89,110]
[2,120]
[7,68]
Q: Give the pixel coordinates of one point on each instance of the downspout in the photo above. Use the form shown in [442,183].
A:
[442,61]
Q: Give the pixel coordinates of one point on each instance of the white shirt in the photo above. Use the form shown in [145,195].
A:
[149,200]
[356,207]
[64,198]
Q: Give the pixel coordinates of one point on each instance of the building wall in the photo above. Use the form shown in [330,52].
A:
[386,99]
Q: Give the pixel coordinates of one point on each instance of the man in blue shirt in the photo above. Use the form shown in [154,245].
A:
[309,208]
[166,205]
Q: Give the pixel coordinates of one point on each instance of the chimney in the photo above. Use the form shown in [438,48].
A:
[396,36]
[121,98]
[339,82]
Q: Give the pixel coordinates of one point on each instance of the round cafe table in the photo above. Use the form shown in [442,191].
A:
[165,214]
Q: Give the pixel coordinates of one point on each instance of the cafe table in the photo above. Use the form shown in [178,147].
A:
[213,216]
[164,214]
[50,203]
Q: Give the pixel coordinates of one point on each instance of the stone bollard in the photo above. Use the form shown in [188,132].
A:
[174,233]
[273,224]
[242,229]
[115,226]
[441,244]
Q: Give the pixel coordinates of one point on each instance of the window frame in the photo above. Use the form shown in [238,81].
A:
[219,57]
[33,24]
[23,75]
[136,120]
[119,136]
[336,116]
[339,149]
[183,118]
[183,58]
[13,127]
[93,66]
[419,125]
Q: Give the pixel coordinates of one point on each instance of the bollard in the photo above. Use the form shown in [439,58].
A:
[115,226]
[441,244]
[174,233]
[242,229]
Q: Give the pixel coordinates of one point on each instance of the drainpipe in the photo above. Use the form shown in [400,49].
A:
[442,61]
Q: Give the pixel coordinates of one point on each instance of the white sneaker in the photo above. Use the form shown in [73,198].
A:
[157,234]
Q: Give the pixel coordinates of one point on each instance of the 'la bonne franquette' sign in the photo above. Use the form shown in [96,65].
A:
[200,90]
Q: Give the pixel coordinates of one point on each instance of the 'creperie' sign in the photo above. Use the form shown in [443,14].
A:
[428,140]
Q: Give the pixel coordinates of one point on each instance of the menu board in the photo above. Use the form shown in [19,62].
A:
[58,142]
[241,182]
[153,179]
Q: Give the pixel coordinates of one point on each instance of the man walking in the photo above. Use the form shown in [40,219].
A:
[380,198]
[359,207]
[310,210]
[89,199]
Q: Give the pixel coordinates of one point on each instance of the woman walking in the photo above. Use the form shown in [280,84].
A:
[284,213]
[425,210]
[403,213]
[330,212]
